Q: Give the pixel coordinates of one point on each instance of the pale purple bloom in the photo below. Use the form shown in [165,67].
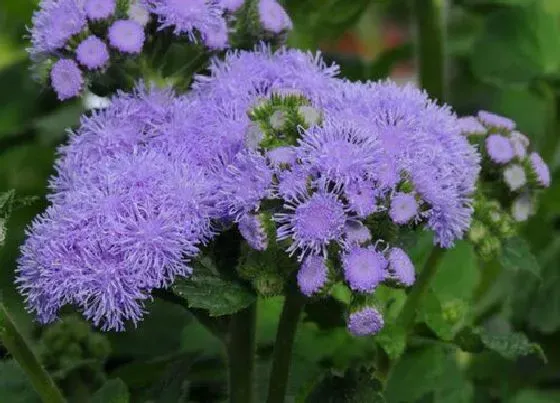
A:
[471,126]
[364,268]
[292,183]
[282,156]
[127,36]
[231,5]
[515,177]
[365,321]
[404,207]
[253,231]
[311,116]
[356,233]
[92,53]
[273,17]
[54,24]
[522,208]
[100,9]
[540,169]
[499,149]
[312,275]
[400,267]
[312,223]
[492,120]
[66,79]
[520,142]
[362,198]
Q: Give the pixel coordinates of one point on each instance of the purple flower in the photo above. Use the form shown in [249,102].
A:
[92,53]
[362,198]
[54,24]
[499,149]
[540,169]
[253,231]
[404,207]
[364,268]
[492,120]
[313,275]
[231,5]
[127,36]
[292,184]
[515,177]
[273,17]
[100,9]
[522,208]
[202,16]
[365,321]
[312,223]
[356,233]
[66,79]
[282,156]
[471,126]
[401,268]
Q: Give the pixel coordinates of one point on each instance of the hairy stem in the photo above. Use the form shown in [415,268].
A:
[429,16]
[285,335]
[408,313]
[14,342]
[241,353]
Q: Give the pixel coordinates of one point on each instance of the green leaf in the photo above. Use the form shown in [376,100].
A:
[517,45]
[15,387]
[457,274]
[174,385]
[443,319]
[207,290]
[6,203]
[355,386]
[536,396]
[392,339]
[114,391]
[516,255]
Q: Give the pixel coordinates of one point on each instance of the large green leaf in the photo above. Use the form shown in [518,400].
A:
[114,391]
[457,274]
[392,339]
[517,45]
[443,318]
[14,384]
[516,255]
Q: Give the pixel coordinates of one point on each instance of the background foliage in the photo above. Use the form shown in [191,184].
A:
[487,332]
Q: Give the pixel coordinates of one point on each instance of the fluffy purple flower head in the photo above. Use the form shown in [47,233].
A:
[364,268]
[471,126]
[282,156]
[401,268]
[189,17]
[365,321]
[500,149]
[127,36]
[356,233]
[490,119]
[273,17]
[66,79]
[312,223]
[54,24]
[97,10]
[362,198]
[540,169]
[292,184]
[312,275]
[339,151]
[404,207]
[253,231]
[92,53]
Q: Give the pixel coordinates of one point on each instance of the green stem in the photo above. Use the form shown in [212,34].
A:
[429,18]
[408,313]
[241,353]
[289,319]
[19,349]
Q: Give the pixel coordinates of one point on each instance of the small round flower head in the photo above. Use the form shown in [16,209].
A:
[253,136]
[356,233]
[311,116]
[401,268]
[490,119]
[127,36]
[312,223]
[520,143]
[365,321]
[55,23]
[522,208]
[540,169]
[137,12]
[499,149]
[253,231]
[471,126]
[278,120]
[292,183]
[362,198]
[312,275]
[273,17]
[404,207]
[364,268]
[100,9]
[92,53]
[515,177]
[285,155]
[66,79]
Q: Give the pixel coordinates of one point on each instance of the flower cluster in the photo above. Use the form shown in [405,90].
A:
[78,38]
[511,176]
[266,140]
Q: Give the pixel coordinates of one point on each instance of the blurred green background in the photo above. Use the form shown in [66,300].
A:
[502,55]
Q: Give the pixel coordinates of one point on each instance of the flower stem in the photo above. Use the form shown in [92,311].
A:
[22,353]
[408,313]
[429,18]
[241,353]
[285,336]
